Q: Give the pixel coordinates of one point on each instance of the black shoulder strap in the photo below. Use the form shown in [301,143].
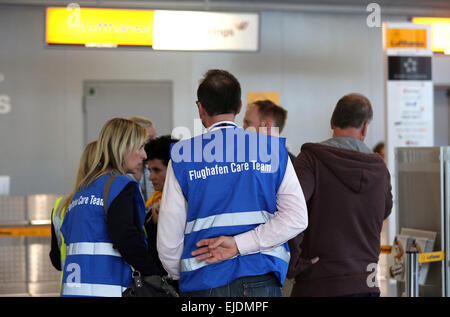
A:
[106,191]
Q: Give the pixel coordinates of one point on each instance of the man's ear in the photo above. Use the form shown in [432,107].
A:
[364,130]
[269,125]
[240,108]
[201,110]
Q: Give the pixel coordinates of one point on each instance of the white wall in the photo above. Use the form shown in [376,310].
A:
[311,59]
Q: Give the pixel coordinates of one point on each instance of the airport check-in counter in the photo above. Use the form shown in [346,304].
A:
[423,203]
[25,267]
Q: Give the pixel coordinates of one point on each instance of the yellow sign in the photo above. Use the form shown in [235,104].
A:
[423,257]
[407,38]
[99,27]
[29,231]
[431,257]
[440,33]
[273,96]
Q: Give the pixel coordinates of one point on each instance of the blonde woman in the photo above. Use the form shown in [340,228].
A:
[58,246]
[101,248]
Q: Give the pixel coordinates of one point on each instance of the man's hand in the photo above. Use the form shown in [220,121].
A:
[216,249]
[302,265]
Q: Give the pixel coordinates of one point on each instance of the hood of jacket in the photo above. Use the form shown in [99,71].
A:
[358,171]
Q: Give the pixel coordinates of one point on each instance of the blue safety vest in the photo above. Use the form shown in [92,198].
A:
[93,267]
[229,195]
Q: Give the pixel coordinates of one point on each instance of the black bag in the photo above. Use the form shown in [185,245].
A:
[149,286]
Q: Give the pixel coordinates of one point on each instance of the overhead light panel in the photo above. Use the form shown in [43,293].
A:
[440,33]
[205,31]
[160,29]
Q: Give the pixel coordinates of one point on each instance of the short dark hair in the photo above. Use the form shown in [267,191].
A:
[377,148]
[159,148]
[267,108]
[219,92]
[352,110]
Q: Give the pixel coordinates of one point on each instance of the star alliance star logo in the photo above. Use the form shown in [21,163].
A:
[410,65]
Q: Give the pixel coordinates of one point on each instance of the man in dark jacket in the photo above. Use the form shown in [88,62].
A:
[348,193]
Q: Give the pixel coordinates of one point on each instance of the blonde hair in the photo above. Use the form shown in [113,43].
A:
[85,163]
[117,136]
[143,122]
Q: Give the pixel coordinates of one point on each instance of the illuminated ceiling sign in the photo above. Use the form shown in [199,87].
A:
[440,33]
[205,31]
[163,30]
[99,27]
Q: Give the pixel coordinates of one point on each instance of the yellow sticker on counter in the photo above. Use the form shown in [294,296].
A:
[28,231]
[431,256]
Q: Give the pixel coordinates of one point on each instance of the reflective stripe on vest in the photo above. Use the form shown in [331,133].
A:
[85,289]
[192,264]
[228,219]
[92,248]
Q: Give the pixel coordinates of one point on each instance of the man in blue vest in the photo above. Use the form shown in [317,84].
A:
[231,201]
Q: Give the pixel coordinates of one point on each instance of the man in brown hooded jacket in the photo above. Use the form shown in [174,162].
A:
[348,193]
